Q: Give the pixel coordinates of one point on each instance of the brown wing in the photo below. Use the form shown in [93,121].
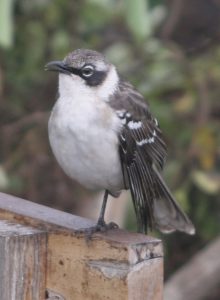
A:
[143,152]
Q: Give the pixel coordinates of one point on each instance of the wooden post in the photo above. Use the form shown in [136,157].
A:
[22,262]
[114,265]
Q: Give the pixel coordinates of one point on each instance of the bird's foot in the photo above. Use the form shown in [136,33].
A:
[101,226]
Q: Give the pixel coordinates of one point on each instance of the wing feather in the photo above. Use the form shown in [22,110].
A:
[142,151]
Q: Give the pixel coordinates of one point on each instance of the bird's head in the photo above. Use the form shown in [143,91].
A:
[85,70]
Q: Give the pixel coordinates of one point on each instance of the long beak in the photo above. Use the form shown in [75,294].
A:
[57,66]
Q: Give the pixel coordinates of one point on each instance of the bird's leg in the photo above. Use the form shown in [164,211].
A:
[101,221]
[101,226]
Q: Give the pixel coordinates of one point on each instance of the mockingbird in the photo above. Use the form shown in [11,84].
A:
[103,135]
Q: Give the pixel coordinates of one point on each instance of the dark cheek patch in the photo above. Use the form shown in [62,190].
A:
[96,79]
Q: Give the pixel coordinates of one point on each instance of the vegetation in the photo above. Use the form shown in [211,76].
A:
[181,87]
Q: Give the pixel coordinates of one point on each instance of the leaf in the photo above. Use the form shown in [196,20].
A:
[185,104]
[138,18]
[208,182]
[6,23]
[204,142]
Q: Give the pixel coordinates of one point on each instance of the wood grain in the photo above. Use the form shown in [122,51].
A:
[22,262]
[115,265]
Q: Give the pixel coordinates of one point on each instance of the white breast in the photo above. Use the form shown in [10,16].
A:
[83,136]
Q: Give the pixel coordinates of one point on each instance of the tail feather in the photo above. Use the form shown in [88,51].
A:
[168,215]
[153,202]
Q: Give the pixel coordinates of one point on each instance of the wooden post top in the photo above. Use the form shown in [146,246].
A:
[43,217]
[115,264]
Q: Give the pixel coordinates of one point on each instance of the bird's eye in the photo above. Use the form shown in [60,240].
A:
[87,71]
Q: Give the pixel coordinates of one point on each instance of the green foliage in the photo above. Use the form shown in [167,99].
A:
[6,23]
[183,94]
[138,18]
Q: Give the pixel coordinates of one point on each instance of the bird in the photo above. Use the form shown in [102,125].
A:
[104,136]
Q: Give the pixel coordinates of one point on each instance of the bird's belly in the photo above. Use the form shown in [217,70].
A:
[89,156]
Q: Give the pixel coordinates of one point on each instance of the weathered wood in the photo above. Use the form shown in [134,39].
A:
[27,212]
[22,262]
[113,265]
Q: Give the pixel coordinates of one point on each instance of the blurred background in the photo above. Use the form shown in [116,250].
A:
[170,50]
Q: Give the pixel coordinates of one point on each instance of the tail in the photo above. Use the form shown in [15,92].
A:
[167,214]
[153,202]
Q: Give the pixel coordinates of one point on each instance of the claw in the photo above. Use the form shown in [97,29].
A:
[99,227]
